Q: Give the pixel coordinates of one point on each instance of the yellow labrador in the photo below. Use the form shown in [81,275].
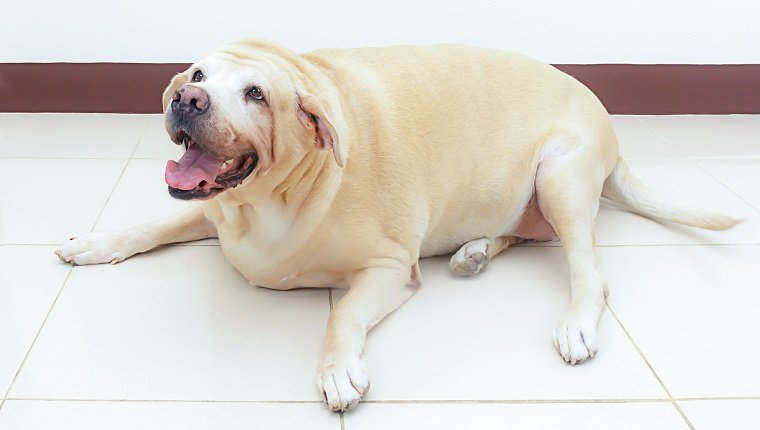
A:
[345,167]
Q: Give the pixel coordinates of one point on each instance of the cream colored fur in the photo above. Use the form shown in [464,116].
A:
[419,151]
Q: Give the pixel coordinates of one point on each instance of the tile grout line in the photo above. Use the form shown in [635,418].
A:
[52,399]
[63,285]
[692,399]
[110,195]
[36,336]
[140,139]
[694,163]
[131,154]
[118,180]
[515,401]
[651,368]
[727,158]
[668,143]
[729,189]
[379,402]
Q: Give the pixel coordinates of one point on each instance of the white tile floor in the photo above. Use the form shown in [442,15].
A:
[177,339]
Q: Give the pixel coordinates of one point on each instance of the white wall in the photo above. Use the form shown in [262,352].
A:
[573,31]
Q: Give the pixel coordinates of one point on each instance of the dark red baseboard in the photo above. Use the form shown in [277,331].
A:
[623,88]
[666,89]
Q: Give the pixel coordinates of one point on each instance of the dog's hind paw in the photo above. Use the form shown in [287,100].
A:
[575,336]
[471,258]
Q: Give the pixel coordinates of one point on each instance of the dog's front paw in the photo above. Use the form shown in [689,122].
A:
[575,335]
[343,381]
[95,248]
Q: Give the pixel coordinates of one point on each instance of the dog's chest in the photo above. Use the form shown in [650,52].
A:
[266,246]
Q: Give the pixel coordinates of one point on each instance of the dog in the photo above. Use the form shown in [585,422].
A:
[344,167]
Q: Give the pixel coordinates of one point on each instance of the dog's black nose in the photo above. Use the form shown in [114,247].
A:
[190,101]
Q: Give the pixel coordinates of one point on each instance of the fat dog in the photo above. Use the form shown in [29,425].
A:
[345,167]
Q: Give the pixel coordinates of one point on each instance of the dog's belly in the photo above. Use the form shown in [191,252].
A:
[527,223]
[533,225]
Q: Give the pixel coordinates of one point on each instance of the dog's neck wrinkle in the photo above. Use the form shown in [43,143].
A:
[306,193]
[310,176]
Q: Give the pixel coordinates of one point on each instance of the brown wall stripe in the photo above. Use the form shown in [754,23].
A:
[662,89]
[623,88]
[84,87]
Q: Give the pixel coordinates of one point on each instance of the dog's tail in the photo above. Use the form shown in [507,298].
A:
[624,188]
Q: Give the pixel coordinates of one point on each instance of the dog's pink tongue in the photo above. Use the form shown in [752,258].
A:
[195,166]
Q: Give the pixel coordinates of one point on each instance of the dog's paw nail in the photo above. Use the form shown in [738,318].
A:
[343,383]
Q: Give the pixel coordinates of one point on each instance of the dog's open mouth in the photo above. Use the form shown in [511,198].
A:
[199,175]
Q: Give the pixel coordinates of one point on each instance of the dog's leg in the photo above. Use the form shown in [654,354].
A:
[116,246]
[475,255]
[568,188]
[374,293]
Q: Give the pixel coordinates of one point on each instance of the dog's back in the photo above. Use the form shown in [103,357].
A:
[456,132]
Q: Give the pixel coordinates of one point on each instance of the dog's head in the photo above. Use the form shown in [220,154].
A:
[240,110]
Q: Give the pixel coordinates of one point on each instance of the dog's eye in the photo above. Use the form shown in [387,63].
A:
[255,93]
[197,76]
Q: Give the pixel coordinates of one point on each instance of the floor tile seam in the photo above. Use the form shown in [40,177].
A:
[36,336]
[112,400]
[519,401]
[659,135]
[726,158]
[110,195]
[140,138]
[370,402]
[726,398]
[651,368]
[693,162]
[729,189]
[58,295]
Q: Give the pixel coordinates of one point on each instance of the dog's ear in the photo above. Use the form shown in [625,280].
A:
[316,115]
[177,81]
